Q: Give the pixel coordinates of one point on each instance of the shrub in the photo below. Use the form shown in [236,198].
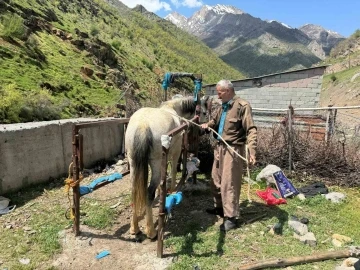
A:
[13,26]
[356,34]
[40,106]
[116,44]
[148,64]
[333,78]
[94,31]
[10,105]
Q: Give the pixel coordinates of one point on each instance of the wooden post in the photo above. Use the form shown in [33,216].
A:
[329,122]
[162,198]
[76,189]
[290,137]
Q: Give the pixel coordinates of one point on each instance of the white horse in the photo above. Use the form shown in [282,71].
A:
[143,144]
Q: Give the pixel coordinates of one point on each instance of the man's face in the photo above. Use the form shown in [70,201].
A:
[223,94]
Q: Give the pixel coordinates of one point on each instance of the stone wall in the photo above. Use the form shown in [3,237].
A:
[275,91]
[32,153]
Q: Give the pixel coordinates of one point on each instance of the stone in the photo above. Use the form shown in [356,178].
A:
[335,197]
[298,227]
[308,239]
[342,238]
[336,243]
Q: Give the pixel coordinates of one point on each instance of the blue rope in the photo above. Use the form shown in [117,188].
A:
[167,80]
[198,85]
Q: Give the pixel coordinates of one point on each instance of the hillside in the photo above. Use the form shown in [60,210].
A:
[62,59]
[254,46]
[341,85]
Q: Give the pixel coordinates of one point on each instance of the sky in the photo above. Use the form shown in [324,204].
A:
[339,16]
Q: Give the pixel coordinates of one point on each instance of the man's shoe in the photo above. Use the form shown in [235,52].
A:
[215,211]
[229,224]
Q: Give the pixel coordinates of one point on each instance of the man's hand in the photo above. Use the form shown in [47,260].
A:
[205,126]
[252,160]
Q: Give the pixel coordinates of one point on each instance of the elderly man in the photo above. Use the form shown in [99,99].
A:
[234,122]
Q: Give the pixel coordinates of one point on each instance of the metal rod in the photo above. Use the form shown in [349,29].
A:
[184,160]
[162,198]
[95,124]
[81,152]
[306,109]
[76,190]
[196,149]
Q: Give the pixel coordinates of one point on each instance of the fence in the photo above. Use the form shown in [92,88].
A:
[324,123]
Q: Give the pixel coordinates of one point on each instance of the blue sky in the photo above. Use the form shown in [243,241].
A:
[340,16]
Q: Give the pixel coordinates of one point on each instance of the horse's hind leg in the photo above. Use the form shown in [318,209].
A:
[134,225]
[154,183]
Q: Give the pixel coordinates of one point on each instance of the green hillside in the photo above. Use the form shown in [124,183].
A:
[62,59]
[341,85]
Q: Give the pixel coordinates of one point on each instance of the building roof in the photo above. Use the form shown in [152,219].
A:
[273,74]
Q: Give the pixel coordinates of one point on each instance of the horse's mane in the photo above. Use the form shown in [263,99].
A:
[185,105]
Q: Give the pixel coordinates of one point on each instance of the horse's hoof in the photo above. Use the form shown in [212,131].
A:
[153,237]
[133,232]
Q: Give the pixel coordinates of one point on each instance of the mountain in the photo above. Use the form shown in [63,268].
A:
[341,84]
[249,44]
[326,38]
[73,58]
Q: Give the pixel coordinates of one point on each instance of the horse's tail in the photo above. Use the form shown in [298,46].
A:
[142,145]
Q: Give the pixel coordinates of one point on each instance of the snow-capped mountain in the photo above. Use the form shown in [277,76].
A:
[240,39]
[327,38]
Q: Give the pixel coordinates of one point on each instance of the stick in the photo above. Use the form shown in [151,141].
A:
[255,218]
[338,254]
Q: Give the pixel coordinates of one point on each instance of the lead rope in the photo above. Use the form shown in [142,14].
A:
[229,147]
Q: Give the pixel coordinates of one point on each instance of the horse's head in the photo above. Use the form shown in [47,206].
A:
[205,109]
[186,107]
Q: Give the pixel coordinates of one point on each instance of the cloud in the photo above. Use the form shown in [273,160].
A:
[192,3]
[150,5]
[187,3]
[176,3]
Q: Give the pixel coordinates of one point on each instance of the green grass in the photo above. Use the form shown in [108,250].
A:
[39,218]
[144,49]
[341,77]
[207,248]
[37,221]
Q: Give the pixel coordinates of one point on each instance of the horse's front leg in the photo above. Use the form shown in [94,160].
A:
[174,161]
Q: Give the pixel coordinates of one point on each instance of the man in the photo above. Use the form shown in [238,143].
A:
[233,121]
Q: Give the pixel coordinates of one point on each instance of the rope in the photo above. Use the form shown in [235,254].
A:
[69,182]
[229,147]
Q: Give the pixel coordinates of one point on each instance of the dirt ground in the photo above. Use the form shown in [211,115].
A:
[126,251]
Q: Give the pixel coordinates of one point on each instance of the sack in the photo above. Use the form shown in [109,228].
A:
[4,206]
[271,196]
[284,185]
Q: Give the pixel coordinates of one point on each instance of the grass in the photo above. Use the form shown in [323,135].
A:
[341,77]
[195,242]
[207,248]
[37,221]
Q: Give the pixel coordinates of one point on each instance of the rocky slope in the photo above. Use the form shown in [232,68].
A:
[250,44]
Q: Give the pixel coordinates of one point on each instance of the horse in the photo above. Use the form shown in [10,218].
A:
[144,148]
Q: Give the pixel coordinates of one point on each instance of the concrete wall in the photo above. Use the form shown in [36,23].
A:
[32,153]
[275,91]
